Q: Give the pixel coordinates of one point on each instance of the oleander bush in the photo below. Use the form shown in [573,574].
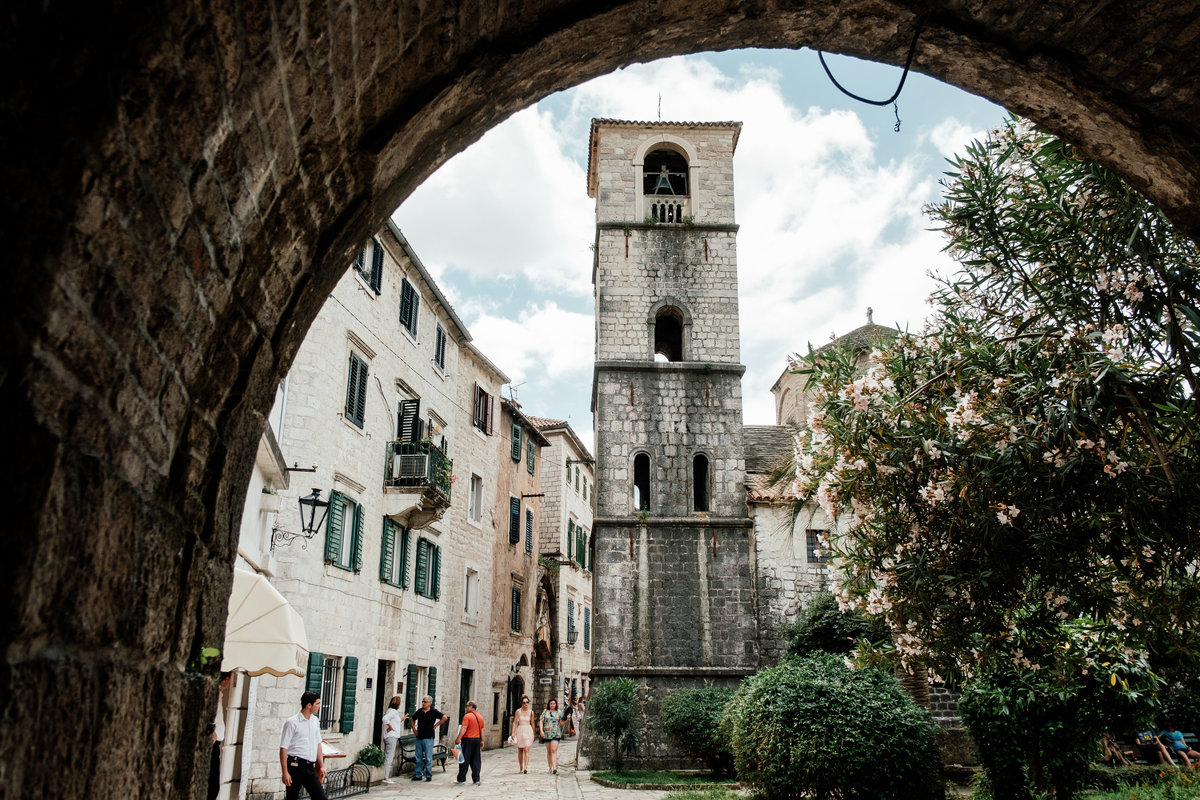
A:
[813,727]
[691,718]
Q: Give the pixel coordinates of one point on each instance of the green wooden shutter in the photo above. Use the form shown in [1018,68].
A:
[387,550]
[376,266]
[433,685]
[357,544]
[587,551]
[407,427]
[349,690]
[316,665]
[587,628]
[439,347]
[516,442]
[410,689]
[436,572]
[529,530]
[570,537]
[421,578]
[530,455]
[405,547]
[333,529]
[514,519]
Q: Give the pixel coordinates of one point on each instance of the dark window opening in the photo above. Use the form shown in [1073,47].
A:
[816,554]
[665,172]
[641,482]
[668,334]
[700,483]
[666,212]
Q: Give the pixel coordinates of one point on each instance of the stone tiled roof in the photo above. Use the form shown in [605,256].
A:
[862,338]
[766,447]
[546,425]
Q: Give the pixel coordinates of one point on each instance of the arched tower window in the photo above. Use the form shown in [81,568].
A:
[668,334]
[700,482]
[665,185]
[641,482]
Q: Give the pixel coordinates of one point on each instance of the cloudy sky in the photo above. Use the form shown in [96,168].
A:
[828,196]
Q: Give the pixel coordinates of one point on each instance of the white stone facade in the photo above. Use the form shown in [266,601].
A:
[567,551]
[377,367]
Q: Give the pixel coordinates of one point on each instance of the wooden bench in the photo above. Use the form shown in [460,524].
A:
[1127,745]
[407,746]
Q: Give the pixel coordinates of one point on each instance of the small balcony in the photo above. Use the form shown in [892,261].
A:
[417,481]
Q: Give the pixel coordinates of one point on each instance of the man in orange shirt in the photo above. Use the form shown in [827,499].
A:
[470,736]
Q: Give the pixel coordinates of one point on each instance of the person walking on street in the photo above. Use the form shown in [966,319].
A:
[523,735]
[393,725]
[424,723]
[300,755]
[550,729]
[470,736]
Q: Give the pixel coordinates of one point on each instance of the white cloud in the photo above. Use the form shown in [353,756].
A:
[511,205]
[828,227]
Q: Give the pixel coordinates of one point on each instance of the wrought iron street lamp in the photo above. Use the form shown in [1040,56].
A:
[309,523]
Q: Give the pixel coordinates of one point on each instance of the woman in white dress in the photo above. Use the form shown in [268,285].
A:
[523,733]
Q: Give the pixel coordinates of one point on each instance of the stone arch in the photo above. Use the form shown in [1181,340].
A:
[669,325]
[172,228]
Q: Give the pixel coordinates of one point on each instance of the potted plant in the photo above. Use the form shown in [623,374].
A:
[372,756]
[270,500]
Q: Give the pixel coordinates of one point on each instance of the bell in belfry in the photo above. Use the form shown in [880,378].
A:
[663,184]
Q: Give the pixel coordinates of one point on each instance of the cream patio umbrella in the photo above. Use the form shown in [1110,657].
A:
[263,633]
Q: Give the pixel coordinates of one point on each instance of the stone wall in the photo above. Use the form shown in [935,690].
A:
[187,186]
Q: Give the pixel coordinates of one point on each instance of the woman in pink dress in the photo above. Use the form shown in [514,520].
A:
[523,733]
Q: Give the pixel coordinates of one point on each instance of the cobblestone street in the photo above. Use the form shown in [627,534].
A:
[501,779]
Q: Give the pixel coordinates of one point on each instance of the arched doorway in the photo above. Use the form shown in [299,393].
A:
[186,186]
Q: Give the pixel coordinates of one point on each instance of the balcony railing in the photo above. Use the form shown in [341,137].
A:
[420,465]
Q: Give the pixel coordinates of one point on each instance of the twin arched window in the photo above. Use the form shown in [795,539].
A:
[641,482]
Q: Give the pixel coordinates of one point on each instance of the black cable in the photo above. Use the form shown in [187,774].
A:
[912,49]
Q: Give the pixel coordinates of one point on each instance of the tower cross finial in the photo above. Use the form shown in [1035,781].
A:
[870,315]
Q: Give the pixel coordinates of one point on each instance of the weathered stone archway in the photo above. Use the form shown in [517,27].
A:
[183,185]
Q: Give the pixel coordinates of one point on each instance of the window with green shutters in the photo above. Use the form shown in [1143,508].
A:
[516,442]
[393,559]
[516,609]
[432,689]
[587,628]
[343,533]
[349,691]
[579,538]
[356,391]
[410,303]
[439,348]
[411,700]
[530,455]
[529,530]
[428,578]
[570,621]
[514,520]
[316,663]
[570,537]
[372,274]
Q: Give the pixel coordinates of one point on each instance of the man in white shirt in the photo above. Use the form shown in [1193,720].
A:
[300,755]
[392,729]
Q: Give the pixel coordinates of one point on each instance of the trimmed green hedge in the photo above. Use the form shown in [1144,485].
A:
[815,728]
[691,717]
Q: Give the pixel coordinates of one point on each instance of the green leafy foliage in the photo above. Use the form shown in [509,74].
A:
[610,713]
[815,728]
[1033,455]
[691,717]
[371,755]
[824,627]
[1036,731]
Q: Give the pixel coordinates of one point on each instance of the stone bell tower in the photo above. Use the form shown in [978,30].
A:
[674,580]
